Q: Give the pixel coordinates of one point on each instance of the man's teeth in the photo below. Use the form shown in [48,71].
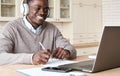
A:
[40,17]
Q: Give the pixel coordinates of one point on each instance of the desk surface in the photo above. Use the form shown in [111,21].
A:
[10,70]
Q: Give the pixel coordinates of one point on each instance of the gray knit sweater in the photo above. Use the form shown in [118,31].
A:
[18,43]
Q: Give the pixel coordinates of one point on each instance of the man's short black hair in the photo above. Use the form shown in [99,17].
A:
[29,1]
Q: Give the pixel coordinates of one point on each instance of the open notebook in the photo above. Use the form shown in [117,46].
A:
[56,62]
[51,63]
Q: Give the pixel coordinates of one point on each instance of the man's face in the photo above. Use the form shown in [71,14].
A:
[38,10]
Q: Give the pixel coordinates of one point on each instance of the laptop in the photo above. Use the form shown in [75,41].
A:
[107,56]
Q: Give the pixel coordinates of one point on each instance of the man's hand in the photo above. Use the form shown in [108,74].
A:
[41,57]
[60,53]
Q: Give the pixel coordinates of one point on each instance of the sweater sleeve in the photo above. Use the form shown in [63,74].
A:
[64,43]
[10,58]
[7,53]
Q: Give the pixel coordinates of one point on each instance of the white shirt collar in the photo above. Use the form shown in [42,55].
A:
[30,27]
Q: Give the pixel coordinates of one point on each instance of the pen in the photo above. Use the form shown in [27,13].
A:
[42,46]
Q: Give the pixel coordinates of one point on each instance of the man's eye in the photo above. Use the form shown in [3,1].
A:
[43,9]
[39,8]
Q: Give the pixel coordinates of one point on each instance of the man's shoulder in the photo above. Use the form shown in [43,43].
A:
[14,23]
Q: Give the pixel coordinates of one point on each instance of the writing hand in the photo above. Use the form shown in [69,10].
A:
[60,53]
[41,57]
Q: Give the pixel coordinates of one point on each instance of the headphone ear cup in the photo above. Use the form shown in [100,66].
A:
[48,13]
[24,8]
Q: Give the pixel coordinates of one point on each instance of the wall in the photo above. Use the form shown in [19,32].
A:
[111,12]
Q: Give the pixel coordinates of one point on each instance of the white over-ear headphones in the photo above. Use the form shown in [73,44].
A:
[24,7]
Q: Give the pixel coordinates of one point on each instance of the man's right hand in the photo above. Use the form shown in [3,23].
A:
[41,57]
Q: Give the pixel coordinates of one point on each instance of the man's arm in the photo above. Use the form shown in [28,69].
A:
[63,43]
[10,58]
[7,53]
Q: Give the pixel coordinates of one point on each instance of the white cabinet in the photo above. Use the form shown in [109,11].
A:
[86,19]
[60,10]
[8,9]
[86,38]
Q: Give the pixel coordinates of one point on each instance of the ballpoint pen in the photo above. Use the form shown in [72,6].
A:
[42,46]
[45,49]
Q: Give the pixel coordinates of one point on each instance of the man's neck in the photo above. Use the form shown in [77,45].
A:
[35,26]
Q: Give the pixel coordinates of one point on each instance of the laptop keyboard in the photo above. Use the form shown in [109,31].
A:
[87,65]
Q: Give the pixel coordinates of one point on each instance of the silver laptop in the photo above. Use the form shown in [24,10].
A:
[108,53]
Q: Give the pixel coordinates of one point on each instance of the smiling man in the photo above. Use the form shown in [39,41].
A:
[20,38]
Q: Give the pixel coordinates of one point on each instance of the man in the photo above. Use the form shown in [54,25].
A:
[20,40]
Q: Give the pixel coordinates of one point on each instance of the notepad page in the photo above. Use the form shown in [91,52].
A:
[39,72]
[52,62]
